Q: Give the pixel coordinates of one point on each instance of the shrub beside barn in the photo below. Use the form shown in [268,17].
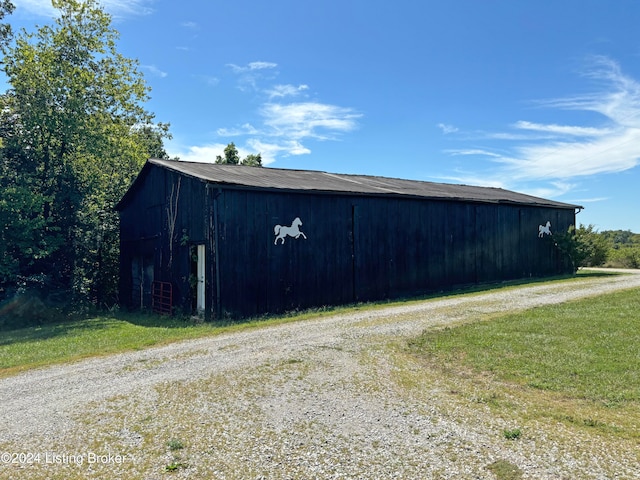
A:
[237,241]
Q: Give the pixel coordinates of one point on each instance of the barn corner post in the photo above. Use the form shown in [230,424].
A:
[568,248]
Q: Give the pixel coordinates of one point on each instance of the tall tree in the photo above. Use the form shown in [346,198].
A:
[232,157]
[6,8]
[75,133]
[252,160]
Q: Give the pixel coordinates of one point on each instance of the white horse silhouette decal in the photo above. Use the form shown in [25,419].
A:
[542,230]
[293,231]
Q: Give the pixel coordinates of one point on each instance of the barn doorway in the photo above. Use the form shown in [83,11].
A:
[141,279]
[197,254]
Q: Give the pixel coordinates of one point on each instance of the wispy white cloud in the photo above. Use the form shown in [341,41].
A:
[128,7]
[153,70]
[271,150]
[557,153]
[197,153]
[277,127]
[610,154]
[619,101]
[308,120]
[286,91]
[208,153]
[447,129]
[118,8]
[250,75]
[210,80]
[252,67]
[562,129]
[246,129]
[468,178]
[472,151]
[517,137]
[550,190]
[286,128]
[41,8]
[582,201]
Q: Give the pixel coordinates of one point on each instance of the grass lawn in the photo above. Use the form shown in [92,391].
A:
[587,349]
[38,346]
[577,363]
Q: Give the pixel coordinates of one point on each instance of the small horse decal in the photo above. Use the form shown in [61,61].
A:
[293,231]
[544,230]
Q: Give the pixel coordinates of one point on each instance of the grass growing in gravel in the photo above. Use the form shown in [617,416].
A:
[585,350]
[504,470]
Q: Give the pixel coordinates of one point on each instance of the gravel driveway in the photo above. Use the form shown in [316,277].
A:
[313,399]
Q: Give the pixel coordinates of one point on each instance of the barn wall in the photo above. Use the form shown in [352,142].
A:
[140,241]
[357,248]
[368,248]
[158,227]
[257,276]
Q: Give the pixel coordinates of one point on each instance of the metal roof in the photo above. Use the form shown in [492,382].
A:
[318,181]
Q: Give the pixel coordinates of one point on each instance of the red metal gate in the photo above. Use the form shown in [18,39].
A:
[162,298]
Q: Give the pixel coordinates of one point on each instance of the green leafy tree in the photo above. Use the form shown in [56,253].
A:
[27,236]
[252,160]
[621,238]
[583,246]
[625,257]
[624,248]
[593,246]
[232,157]
[6,8]
[75,133]
[152,136]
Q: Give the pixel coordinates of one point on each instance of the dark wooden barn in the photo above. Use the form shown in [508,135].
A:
[226,240]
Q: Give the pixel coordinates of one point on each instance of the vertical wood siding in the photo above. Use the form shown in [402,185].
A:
[358,248]
[368,248]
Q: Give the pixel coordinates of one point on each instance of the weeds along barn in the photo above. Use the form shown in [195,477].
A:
[239,241]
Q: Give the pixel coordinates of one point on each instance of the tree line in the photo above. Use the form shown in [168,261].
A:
[611,248]
[586,247]
[74,133]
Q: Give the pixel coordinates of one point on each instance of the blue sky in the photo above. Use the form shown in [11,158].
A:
[541,97]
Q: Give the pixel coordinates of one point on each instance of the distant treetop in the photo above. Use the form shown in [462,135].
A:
[231,157]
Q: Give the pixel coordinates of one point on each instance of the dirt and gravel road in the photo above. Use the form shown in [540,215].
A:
[325,398]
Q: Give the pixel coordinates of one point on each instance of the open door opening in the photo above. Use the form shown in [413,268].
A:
[197,278]
[141,281]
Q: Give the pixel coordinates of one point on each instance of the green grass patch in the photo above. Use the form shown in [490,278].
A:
[74,340]
[587,349]
[175,444]
[512,434]
[504,470]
